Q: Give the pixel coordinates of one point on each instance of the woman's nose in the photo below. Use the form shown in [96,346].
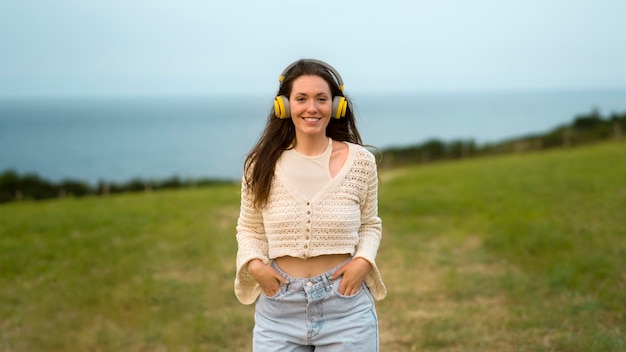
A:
[312,106]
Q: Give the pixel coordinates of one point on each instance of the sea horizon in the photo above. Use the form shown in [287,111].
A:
[117,139]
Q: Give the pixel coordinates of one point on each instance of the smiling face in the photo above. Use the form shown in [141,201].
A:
[311,105]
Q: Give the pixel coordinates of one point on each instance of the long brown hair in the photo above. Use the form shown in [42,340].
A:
[279,134]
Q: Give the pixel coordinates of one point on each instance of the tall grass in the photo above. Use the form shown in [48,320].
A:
[513,253]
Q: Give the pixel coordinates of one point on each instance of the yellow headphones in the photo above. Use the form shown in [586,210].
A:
[340,104]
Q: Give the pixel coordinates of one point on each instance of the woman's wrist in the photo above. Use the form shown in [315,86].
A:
[254,264]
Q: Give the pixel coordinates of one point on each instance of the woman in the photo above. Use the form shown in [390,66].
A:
[308,230]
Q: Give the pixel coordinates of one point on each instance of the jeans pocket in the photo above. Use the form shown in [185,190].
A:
[281,289]
[335,288]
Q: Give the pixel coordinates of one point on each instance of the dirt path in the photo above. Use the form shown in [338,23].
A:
[445,299]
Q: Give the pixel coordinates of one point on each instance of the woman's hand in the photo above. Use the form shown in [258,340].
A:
[266,276]
[354,274]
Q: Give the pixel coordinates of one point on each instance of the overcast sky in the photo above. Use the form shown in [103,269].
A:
[153,47]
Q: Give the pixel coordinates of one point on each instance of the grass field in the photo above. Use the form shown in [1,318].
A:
[513,253]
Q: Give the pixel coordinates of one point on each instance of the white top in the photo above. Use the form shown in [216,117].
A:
[308,174]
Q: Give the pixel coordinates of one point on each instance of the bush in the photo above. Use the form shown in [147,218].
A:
[14,187]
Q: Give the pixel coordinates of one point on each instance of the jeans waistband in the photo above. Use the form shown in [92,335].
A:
[298,284]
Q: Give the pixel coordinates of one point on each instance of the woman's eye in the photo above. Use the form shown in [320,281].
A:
[300,100]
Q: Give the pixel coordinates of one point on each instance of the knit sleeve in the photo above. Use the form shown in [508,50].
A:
[370,231]
[252,244]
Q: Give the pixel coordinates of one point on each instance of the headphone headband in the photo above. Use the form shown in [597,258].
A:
[319,62]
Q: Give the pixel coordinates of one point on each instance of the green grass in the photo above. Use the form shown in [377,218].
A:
[514,253]
[131,272]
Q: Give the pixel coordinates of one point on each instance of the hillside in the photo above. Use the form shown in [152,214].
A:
[517,252]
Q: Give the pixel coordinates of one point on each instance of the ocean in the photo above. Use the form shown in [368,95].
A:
[116,140]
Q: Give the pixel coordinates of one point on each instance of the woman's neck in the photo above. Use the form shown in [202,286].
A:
[311,145]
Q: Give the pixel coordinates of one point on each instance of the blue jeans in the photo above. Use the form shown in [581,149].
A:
[311,315]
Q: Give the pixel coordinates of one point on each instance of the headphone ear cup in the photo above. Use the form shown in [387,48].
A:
[340,105]
[281,107]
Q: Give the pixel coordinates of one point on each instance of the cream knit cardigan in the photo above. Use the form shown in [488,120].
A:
[342,218]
